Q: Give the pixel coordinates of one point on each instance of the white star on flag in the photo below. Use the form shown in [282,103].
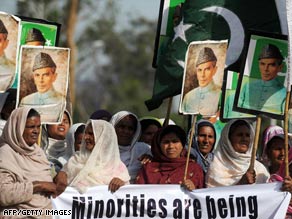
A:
[48,42]
[180,31]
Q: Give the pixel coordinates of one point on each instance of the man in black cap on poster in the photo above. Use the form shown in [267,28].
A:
[35,37]
[203,99]
[267,94]
[44,75]
[7,67]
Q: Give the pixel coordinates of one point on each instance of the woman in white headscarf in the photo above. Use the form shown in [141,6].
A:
[73,141]
[128,129]
[98,161]
[232,158]
[25,177]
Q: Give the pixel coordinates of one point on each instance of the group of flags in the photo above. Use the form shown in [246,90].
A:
[214,20]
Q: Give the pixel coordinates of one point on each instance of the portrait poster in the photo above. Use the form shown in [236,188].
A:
[32,29]
[228,95]
[203,77]
[165,27]
[10,30]
[262,86]
[40,86]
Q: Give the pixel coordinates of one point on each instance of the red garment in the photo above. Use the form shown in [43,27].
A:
[164,170]
[166,173]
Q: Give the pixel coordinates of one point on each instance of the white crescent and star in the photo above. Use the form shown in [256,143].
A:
[236,42]
[237,34]
[180,30]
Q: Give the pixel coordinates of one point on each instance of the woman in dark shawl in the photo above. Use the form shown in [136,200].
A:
[169,161]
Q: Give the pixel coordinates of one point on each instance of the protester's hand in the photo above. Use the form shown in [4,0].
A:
[115,184]
[287,184]
[145,158]
[61,183]
[43,187]
[248,178]
[188,184]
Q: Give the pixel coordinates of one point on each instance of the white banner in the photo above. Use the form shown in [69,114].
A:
[262,201]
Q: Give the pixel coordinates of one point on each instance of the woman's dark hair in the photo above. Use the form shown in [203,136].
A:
[271,141]
[32,112]
[236,124]
[145,123]
[79,130]
[174,129]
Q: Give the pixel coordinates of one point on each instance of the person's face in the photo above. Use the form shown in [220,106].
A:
[206,139]
[276,151]
[59,131]
[3,43]
[240,139]
[171,145]
[125,130]
[148,134]
[205,73]
[44,79]
[78,141]
[32,130]
[89,137]
[269,68]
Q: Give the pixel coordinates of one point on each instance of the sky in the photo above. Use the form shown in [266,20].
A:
[129,8]
[147,8]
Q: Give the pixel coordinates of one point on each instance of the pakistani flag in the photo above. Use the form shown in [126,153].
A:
[213,20]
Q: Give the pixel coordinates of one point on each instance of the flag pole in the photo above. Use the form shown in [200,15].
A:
[255,143]
[190,145]
[286,116]
[166,120]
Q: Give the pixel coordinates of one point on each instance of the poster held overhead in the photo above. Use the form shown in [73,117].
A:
[44,73]
[261,88]
[203,77]
[9,38]
[227,111]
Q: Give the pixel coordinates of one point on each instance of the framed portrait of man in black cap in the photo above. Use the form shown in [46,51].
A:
[44,80]
[9,42]
[203,77]
[261,88]
[229,86]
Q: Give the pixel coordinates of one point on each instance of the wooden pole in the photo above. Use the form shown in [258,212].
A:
[190,145]
[255,143]
[286,117]
[166,120]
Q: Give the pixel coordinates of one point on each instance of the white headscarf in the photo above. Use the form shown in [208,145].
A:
[130,154]
[99,167]
[228,165]
[70,143]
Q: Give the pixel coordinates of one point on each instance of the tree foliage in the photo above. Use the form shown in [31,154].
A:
[114,66]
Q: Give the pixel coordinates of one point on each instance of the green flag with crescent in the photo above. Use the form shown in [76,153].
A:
[211,20]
